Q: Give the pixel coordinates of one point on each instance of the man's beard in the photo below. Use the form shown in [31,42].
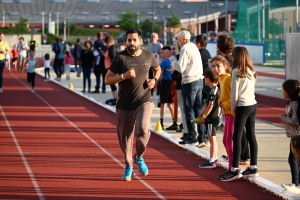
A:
[132,51]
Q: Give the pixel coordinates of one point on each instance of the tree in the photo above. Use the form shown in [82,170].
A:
[174,21]
[128,21]
[147,28]
[274,27]
[21,26]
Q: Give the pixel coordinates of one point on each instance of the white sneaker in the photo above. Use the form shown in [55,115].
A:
[32,90]
[201,145]
[1,91]
[46,80]
[291,187]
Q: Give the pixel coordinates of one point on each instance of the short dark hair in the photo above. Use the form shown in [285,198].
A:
[202,39]
[166,48]
[99,35]
[78,40]
[209,74]
[131,31]
[225,44]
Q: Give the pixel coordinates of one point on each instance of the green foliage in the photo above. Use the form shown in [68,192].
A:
[147,28]
[174,21]
[128,21]
[20,28]
[274,27]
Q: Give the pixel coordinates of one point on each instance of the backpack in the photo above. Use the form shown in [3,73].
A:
[56,48]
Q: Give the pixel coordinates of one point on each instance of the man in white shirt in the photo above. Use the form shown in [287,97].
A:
[190,66]
[22,51]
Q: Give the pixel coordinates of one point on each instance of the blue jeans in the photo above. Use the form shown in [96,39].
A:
[294,167]
[192,100]
[2,65]
[86,77]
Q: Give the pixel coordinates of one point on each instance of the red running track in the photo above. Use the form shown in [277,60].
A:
[55,144]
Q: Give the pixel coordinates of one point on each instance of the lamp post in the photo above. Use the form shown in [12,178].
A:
[57,24]
[188,13]
[3,19]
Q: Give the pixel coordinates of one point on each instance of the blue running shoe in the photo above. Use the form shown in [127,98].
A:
[142,167]
[127,173]
[209,165]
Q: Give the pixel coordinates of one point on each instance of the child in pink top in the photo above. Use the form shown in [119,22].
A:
[68,60]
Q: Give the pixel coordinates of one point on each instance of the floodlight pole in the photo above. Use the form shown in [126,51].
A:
[3,20]
[57,24]
[226,17]
[152,16]
[297,18]
[43,13]
[263,21]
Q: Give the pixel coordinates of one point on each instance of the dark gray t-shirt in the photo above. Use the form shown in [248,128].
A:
[133,92]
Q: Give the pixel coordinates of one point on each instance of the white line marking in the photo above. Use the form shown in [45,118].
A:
[96,144]
[31,175]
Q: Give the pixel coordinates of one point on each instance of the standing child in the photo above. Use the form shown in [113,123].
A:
[290,91]
[31,63]
[14,53]
[244,106]
[210,117]
[68,60]
[219,66]
[47,66]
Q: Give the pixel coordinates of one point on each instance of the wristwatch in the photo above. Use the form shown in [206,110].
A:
[155,79]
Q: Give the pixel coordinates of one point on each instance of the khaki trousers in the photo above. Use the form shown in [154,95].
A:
[132,123]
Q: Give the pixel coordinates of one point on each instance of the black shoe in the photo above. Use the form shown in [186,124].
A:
[184,136]
[111,102]
[103,91]
[225,158]
[180,128]
[96,91]
[223,175]
[230,176]
[83,91]
[250,173]
[173,127]
[189,141]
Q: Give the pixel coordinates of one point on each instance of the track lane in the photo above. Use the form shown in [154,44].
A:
[68,166]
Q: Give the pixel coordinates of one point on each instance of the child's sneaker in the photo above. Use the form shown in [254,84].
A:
[209,165]
[230,176]
[32,90]
[250,173]
[142,167]
[291,187]
[223,175]
[225,158]
[127,173]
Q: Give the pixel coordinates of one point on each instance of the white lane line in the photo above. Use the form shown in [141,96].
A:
[96,144]
[31,175]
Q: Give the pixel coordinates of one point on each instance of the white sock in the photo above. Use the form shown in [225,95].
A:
[233,169]
[115,94]
[252,167]
[212,160]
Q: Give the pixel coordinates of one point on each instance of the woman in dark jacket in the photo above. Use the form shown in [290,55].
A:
[87,63]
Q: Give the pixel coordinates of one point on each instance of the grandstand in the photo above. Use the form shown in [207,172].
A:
[104,14]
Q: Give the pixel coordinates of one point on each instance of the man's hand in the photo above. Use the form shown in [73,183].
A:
[151,83]
[129,74]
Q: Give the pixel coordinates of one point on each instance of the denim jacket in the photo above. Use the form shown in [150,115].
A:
[290,119]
